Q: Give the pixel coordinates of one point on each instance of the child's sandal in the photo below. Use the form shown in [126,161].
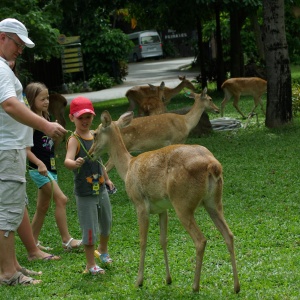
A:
[68,245]
[94,270]
[104,258]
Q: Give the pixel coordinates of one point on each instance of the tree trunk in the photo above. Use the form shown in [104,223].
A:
[257,33]
[201,56]
[220,61]
[279,91]
[236,51]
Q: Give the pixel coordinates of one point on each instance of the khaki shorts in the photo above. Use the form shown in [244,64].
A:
[12,188]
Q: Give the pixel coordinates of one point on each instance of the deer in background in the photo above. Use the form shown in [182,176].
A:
[182,177]
[57,106]
[137,94]
[157,131]
[235,87]
[153,105]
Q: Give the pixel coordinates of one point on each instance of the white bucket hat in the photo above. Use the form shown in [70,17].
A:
[15,26]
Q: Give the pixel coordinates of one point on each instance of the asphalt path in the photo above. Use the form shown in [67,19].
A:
[144,73]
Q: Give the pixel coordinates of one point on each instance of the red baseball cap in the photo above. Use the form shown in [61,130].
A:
[80,106]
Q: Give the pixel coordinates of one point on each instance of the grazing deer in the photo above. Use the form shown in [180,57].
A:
[182,177]
[154,132]
[253,86]
[153,105]
[137,94]
[143,95]
[57,106]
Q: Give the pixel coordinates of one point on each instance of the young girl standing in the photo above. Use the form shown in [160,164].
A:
[93,204]
[43,171]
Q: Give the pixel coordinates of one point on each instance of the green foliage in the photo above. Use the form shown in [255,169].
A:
[292,34]
[296,98]
[39,19]
[169,49]
[101,81]
[106,52]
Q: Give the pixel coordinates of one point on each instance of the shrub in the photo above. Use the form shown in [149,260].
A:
[296,98]
[101,81]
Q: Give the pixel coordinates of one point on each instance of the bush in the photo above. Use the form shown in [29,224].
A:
[106,52]
[101,81]
[296,98]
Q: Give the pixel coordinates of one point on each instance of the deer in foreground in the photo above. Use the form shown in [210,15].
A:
[180,176]
[137,94]
[57,106]
[157,131]
[235,87]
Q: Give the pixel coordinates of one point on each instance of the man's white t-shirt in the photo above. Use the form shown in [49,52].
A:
[13,134]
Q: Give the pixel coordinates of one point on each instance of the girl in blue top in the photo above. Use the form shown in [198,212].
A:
[43,171]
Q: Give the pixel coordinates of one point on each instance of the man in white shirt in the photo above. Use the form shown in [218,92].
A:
[16,123]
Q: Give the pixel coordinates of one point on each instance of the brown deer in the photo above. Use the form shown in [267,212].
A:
[253,86]
[157,131]
[57,106]
[153,105]
[137,94]
[182,177]
[144,96]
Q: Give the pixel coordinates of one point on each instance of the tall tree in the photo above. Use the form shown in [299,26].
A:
[279,91]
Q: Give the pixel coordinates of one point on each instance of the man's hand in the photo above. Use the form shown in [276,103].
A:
[55,130]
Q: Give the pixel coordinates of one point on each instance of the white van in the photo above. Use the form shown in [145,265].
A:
[146,44]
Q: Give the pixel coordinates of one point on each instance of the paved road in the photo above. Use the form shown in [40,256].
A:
[142,73]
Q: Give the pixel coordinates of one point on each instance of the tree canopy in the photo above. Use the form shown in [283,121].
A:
[236,26]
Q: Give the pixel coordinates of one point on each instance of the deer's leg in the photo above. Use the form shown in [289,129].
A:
[227,97]
[143,221]
[186,217]
[256,102]
[236,106]
[220,222]
[259,101]
[163,224]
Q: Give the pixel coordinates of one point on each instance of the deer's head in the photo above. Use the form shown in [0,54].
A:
[205,99]
[107,130]
[159,90]
[187,84]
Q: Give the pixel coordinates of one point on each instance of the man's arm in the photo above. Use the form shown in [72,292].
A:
[24,115]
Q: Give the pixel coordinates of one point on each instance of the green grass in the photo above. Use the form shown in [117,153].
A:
[261,206]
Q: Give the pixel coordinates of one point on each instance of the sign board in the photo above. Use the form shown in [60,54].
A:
[71,56]
[64,40]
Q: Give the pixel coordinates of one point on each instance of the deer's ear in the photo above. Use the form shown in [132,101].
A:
[125,119]
[152,87]
[204,92]
[105,119]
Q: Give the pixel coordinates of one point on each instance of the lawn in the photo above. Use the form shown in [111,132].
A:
[261,206]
